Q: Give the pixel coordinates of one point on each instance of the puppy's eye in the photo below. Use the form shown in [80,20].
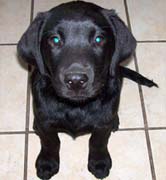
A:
[55,41]
[99,40]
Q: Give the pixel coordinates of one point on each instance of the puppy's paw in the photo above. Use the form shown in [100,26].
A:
[46,168]
[100,168]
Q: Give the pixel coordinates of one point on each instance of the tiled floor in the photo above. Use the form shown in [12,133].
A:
[138,150]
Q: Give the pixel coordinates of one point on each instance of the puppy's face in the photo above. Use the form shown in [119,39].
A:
[77,44]
[77,51]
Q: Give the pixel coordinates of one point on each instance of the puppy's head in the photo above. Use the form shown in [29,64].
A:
[78,45]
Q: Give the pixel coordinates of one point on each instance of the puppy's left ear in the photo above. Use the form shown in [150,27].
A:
[125,42]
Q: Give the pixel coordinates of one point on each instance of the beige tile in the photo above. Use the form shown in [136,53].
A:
[129,155]
[43,5]
[128,150]
[158,142]
[130,113]
[13,83]
[148,19]
[151,60]
[11,157]
[118,5]
[15,17]
[33,150]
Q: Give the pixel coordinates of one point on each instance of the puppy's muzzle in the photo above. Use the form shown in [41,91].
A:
[76,77]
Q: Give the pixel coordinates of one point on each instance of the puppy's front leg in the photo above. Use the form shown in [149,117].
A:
[47,163]
[99,162]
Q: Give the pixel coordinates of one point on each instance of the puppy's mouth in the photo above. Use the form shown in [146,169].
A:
[79,98]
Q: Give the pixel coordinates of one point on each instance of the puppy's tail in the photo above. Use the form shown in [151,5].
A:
[134,76]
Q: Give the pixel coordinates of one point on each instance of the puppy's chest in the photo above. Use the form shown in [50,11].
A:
[75,120]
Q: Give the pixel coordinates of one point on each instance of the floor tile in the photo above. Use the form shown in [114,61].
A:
[130,113]
[43,5]
[13,83]
[148,19]
[33,150]
[118,5]
[151,60]
[158,142]
[15,18]
[129,156]
[11,157]
[128,151]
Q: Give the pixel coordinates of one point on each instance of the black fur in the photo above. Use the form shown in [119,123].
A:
[88,102]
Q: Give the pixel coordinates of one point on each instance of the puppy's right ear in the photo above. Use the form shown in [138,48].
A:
[125,43]
[29,45]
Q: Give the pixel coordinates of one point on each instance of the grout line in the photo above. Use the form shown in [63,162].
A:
[32,10]
[157,128]
[27,129]
[152,41]
[146,126]
[31,132]
[127,15]
[131,129]
[12,132]
[8,44]
[16,132]
[27,110]
[121,129]
[148,142]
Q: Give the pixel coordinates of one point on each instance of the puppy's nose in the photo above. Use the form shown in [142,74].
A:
[76,81]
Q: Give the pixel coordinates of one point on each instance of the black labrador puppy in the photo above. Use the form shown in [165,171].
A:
[76,49]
